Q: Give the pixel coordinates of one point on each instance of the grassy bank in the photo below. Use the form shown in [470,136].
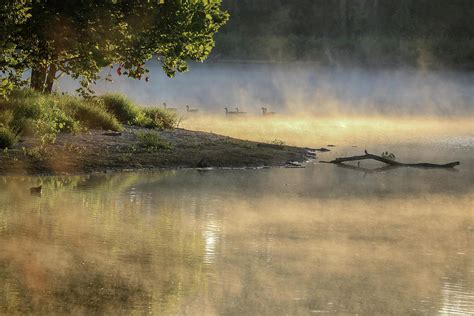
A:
[56,134]
[29,114]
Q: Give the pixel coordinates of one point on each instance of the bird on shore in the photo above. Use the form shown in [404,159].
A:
[188,109]
[239,112]
[265,112]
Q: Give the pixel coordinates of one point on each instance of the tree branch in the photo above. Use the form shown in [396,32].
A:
[391,162]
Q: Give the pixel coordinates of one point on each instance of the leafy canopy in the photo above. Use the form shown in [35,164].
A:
[81,37]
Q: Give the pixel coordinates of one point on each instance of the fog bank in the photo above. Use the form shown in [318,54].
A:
[302,88]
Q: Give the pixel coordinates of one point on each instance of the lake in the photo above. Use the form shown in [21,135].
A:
[319,240]
[323,239]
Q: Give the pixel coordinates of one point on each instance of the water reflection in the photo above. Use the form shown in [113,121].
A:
[280,241]
[458,297]
[211,238]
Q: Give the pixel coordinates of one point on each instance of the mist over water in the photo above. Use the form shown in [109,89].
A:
[295,88]
[278,241]
[324,239]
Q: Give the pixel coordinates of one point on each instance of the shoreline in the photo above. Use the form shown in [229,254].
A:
[98,151]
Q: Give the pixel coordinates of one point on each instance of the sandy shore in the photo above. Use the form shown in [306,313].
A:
[99,151]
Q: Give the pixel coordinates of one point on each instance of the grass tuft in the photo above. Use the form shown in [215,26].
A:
[160,118]
[152,142]
[92,114]
[121,107]
[7,138]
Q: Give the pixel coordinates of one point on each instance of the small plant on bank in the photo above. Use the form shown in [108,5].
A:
[278,142]
[7,138]
[387,155]
[159,118]
[37,152]
[152,142]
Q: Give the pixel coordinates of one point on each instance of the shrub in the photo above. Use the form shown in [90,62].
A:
[6,117]
[7,138]
[121,107]
[92,114]
[152,142]
[158,118]
[44,116]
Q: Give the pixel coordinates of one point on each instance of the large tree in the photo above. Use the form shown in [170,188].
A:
[81,37]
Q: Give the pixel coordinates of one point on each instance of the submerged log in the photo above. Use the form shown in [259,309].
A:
[391,162]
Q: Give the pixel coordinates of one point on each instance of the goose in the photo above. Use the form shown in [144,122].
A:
[188,109]
[239,112]
[227,112]
[265,112]
[169,109]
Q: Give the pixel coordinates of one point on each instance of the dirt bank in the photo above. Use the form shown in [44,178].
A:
[99,151]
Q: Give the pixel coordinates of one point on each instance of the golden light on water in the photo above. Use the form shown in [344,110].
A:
[314,131]
[161,244]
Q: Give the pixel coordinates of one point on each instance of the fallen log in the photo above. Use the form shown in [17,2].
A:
[391,162]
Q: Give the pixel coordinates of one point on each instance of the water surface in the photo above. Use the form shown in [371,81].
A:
[323,239]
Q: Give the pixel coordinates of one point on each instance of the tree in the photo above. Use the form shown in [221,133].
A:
[81,37]
[13,15]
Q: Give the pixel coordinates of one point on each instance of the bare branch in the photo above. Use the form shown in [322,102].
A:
[391,162]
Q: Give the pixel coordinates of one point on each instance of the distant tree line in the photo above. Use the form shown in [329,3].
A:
[428,32]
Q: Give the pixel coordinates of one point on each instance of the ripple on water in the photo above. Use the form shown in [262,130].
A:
[458,297]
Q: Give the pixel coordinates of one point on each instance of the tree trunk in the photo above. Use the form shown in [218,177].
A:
[38,77]
[48,88]
[42,78]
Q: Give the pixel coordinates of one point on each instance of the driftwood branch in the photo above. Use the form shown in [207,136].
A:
[390,162]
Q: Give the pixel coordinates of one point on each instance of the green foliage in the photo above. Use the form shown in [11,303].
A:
[388,155]
[37,152]
[45,116]
[28,113]
[92,114]
[152,142]
[13,16]
[121,107]
[157,118]
[7,138]
[80,38]
[128,113]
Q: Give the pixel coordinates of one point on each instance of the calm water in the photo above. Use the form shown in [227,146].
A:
[243,242]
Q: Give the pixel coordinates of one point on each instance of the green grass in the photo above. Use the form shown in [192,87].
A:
[121,107]
[92,114]
[129,113]
[28,113]
[152,142]
[159,118]
[7,138]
